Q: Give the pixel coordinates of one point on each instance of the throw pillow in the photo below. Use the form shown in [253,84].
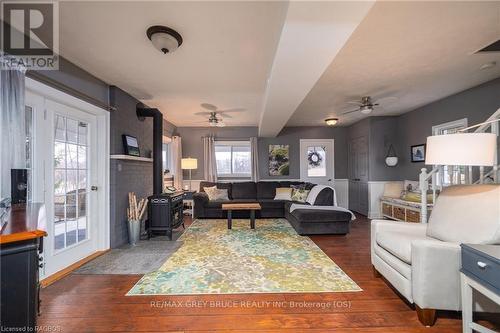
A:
[215,193]
[283,193]
[393,190]
[299,195]
[209,190]
[299,186]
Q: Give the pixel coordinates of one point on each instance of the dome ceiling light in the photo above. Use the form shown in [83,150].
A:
[331,121]
[164,39]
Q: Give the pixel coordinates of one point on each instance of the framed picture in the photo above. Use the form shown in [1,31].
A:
[279,160]
[418,153]
[130,145]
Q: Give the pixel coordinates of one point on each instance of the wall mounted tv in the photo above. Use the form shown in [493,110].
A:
[130,145]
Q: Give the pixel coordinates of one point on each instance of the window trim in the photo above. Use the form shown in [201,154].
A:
[234,143]
[436,129]
[445,169]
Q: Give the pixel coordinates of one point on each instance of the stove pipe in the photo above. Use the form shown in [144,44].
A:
[143,112]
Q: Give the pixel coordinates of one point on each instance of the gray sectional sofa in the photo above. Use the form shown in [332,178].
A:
[305,221]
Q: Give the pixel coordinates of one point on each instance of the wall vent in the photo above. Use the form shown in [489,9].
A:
[493,47]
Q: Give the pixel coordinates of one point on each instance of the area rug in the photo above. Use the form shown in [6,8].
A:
[146,257]
[272,258]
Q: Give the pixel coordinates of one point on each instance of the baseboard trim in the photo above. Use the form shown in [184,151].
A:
[66,271]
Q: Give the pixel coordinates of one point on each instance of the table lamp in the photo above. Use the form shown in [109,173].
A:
[189,164]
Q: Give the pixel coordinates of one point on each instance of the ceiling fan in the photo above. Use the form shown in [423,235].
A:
[215,116]
[366,105]
[214,121]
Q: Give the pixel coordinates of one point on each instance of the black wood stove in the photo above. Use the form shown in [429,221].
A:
[164,210]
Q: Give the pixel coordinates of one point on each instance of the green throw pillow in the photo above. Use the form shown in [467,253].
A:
[299,195]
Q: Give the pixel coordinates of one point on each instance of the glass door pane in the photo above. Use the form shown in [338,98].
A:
[70,181]
[28,123]
[316,161]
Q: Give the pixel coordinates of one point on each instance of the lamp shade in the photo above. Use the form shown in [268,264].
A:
[189,163]
[468,149]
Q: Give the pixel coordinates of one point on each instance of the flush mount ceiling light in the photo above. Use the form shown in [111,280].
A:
[331,121]
[164,39]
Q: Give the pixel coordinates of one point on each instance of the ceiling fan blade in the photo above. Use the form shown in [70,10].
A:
[231,110]
[225,115]
[355,102]
[357,110]
[203,113]
[208,106]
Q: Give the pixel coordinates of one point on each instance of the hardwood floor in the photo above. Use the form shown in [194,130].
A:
[96,303]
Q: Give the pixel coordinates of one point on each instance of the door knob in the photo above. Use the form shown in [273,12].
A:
[93,188]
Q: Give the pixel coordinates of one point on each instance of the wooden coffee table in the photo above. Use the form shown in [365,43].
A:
[251,206]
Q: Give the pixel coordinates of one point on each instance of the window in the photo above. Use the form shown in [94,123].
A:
[451,174]
[29,150]
[316,161]
[234,159]
[167,164]
[70,181]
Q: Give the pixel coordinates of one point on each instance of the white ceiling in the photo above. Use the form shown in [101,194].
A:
[225,59]
[313,34]
[417,51]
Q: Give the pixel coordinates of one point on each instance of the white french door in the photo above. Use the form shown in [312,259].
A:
[69,176]
[316,161]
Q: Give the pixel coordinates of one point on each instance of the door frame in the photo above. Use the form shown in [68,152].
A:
[103,164]
[303,167]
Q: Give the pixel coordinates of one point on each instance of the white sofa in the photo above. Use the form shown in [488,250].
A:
[422,261]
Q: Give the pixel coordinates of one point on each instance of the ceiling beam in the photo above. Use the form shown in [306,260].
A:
[312,35]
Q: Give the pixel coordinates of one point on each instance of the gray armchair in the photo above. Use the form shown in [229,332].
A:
[422,261]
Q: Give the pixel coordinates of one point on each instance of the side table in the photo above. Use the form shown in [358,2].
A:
[480,271]
[189,202]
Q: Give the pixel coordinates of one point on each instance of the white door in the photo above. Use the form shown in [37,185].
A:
[67,176]
[316,161]
[73,175]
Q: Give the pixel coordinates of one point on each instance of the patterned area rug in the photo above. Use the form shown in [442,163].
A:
[272,258]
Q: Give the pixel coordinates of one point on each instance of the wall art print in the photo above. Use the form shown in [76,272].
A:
[279,160]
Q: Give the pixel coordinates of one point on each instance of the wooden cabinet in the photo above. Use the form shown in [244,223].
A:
[20,246]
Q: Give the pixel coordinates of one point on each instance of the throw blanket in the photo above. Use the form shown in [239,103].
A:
[311,198]
[295,206]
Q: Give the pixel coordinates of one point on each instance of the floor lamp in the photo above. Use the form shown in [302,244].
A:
[189,164]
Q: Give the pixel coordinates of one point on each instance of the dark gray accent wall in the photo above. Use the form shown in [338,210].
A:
[383,133]
[291,136]
[77,80]
[127,176]
[192,145]
[475,104]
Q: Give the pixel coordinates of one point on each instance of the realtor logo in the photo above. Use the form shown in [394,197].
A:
[30,35]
